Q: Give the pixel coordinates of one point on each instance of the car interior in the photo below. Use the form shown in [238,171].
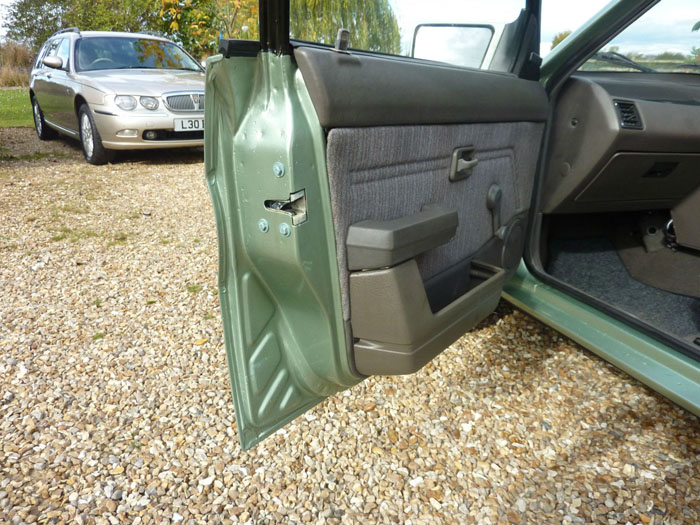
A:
[616,221]
[620,199]
[433,181]
[430,201]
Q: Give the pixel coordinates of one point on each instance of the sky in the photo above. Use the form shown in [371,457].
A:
[3,4]
[665,28]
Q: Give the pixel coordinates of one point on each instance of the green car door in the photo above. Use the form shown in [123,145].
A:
[369,206]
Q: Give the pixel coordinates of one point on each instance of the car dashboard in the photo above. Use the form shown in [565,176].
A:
[623,142]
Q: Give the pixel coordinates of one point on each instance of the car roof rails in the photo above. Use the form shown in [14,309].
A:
[67,30]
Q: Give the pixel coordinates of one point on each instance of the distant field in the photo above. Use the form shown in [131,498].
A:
[15,109]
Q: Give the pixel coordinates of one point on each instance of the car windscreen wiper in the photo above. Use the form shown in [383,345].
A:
[621,60]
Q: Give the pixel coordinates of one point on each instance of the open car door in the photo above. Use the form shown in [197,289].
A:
[369,208]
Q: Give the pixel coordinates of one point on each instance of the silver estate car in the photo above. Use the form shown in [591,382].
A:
[117,91]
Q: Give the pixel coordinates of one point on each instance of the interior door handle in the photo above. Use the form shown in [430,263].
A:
[466,164]
[463,162]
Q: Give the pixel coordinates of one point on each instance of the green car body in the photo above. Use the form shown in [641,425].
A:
[271,284]
[288,345]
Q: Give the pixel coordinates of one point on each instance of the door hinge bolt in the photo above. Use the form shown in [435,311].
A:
[263,226]
[285,230]
[278,169]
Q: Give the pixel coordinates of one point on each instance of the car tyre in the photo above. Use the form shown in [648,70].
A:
[43,131]
[93,150]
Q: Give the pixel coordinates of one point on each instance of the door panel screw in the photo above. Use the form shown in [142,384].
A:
[263,226]
[285,230]
[278,169]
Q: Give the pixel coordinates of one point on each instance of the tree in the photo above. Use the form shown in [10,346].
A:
[198,24]
[695,54]
[115,15]
[33,21]
[237,18]
[372,23]
[559,37]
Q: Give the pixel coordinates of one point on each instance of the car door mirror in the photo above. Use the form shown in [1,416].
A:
[459,44]
[53,62]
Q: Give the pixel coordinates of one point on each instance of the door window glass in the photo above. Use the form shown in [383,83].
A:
[560,19]
[53,48]
[459,32]
[666,39]
[64,51]
[38,63]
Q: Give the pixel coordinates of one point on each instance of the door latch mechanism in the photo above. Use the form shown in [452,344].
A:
[294,207]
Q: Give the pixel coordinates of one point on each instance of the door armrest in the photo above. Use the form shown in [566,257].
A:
[381,244]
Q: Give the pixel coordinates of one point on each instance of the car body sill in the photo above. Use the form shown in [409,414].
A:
[659,366]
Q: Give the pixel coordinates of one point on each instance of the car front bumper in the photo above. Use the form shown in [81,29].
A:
[110,124]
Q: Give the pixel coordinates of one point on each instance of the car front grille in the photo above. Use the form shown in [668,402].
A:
[185,102]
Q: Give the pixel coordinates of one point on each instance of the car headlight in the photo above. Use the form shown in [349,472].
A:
[125,102]
[149,103]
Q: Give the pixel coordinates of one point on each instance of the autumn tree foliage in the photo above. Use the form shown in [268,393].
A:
[372,23]
[33,21]
[559,37]
[199,24]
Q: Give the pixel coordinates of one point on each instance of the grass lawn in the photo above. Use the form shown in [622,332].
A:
[15,109]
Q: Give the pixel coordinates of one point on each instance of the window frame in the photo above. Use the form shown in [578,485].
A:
[484,26]
[67,61]
[274,24]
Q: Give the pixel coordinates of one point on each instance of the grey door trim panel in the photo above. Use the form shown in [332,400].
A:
[350,90]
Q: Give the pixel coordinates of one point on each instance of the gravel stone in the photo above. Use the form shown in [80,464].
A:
[105,388]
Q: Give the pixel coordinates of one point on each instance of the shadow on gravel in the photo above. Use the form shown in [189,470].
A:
[22,144]
[160,156]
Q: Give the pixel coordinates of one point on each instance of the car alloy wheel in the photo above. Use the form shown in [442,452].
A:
[37,118]
[43,131]
[87,136]
[93,150]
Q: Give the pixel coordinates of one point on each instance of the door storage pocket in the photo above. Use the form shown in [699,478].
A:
[395,330]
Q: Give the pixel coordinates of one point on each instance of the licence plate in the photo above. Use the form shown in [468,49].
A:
[188,124]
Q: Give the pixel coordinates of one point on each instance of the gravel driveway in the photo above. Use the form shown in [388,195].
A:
[115,404]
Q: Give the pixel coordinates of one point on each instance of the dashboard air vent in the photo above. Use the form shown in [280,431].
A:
[628,115]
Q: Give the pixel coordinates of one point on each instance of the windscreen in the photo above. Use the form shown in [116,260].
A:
[98,53]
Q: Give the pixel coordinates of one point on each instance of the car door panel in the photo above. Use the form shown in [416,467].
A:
[280,294]
[44,83]
[62,94]
[353,90]
[386,172]
[363,139]
[64,87]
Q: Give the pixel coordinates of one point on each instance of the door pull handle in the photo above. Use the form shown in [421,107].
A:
[463,162]
[463,165]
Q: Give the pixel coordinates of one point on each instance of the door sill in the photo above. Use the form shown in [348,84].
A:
[672,373]
[620,315]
